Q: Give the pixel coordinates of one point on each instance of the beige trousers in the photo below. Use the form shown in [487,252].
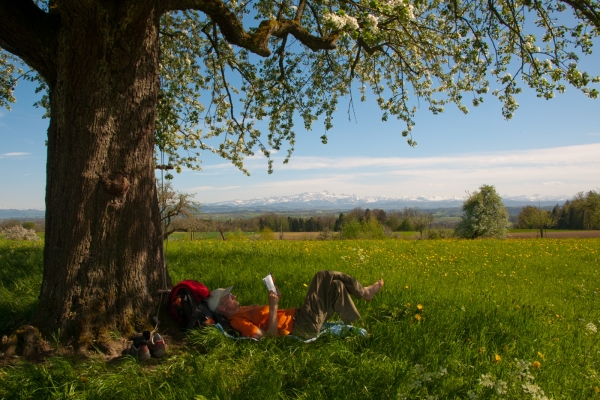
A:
[329,293]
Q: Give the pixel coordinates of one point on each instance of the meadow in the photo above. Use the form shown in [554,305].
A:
[483,319]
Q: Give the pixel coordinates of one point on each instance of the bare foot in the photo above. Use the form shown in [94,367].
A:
[371,291]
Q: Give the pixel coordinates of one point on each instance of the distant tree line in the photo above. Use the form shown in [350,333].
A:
[581,212]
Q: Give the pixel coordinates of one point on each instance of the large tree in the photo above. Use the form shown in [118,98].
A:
[484,215]
[125,77]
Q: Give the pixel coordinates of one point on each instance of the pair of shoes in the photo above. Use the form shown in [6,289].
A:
[157,345]
[139,347]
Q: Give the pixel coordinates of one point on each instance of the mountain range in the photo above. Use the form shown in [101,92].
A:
[326,201]
[331,202]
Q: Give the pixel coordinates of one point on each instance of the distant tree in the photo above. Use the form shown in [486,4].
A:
[524,217]
[266,234]
[337,227]
[18,232]
[420,220]
[381,215]
[484,215]
[9,223]
[30,225]
[589,206]
[173,206]
[405,225]
[581,212]
[536,218]
[356,213]
[355,229]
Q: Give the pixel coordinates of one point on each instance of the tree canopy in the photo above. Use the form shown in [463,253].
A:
[221,72]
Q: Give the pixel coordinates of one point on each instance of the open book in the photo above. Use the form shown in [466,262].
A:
[268,280]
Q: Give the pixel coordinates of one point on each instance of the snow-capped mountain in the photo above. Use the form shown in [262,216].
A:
[330,201]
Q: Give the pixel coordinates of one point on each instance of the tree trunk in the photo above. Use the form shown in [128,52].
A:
[103,255]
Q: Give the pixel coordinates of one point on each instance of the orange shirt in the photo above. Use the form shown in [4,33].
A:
[249,319]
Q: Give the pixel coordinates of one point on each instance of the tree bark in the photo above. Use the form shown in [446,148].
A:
[103,255]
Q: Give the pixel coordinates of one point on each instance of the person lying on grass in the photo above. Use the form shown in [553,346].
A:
[328,293]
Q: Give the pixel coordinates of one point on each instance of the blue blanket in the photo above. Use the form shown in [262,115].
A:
[329,328]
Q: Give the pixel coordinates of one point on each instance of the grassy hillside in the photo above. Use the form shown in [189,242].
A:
[456,319]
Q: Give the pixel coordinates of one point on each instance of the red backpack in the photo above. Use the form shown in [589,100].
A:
[187,306]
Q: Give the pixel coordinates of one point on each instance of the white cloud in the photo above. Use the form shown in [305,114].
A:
[560,171]
[525,158]
[553,183]
[211,188]
[15,154]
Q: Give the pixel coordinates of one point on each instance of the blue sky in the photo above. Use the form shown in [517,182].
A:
[549,148]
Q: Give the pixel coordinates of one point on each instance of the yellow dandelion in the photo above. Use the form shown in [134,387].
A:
[305,285]
[418,317]
[405,287]
[497,359]
[541,356]
[536,365]
[407,304]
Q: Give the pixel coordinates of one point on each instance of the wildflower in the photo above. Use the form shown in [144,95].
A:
[419,307]
[541,356]
[418,317]
[486,381]
[305,285]
[497,359]
[501,387]
[536,365]
[591,327]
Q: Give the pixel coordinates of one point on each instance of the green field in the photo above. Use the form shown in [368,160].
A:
[456,320]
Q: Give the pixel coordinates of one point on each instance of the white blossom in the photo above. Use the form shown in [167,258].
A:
[486,381]
[341,21]
[373,21]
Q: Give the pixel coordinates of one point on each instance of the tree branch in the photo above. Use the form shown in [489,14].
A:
[257,42]
[29,33]
[589,9]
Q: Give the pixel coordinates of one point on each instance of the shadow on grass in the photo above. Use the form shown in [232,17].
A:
[20,280]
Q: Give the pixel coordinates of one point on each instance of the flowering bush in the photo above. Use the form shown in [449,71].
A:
[17,232]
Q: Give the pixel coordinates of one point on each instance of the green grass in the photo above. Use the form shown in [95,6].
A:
[519,230]
[490,309]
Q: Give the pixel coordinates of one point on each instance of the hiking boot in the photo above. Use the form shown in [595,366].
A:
[139,347]
[157,346]
[143,352]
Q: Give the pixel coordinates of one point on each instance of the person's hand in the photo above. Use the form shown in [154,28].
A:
[273,299]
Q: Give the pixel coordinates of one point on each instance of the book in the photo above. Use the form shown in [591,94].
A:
[268,281]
